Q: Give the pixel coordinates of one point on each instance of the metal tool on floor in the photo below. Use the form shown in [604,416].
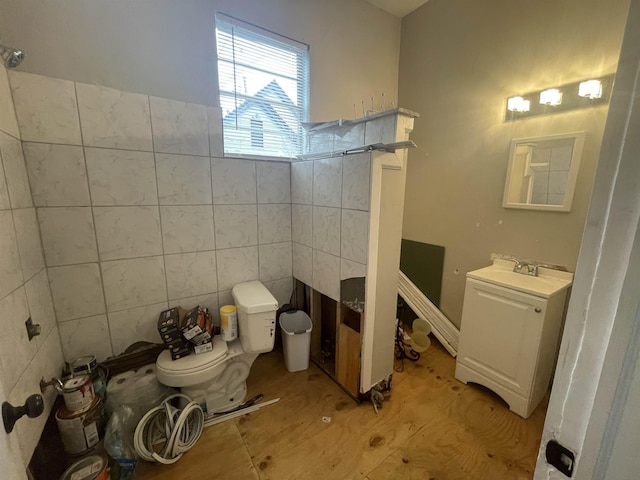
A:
[253,407]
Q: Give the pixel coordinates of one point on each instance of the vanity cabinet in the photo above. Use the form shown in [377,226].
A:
[509,340]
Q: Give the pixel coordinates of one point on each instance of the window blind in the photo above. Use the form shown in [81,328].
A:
[264,90]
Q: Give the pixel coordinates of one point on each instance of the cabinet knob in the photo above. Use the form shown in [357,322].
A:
[537,309]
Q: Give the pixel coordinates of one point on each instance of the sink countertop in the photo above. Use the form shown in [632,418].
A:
[548,282]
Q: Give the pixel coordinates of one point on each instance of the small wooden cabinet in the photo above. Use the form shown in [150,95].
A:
[508,342]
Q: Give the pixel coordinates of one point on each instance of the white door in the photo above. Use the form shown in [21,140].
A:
[594,405]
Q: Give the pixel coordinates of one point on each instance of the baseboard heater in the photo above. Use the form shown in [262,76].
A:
[445,331]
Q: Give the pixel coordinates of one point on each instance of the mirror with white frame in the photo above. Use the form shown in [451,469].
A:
[542,172]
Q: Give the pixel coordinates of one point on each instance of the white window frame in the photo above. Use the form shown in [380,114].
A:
[244,30]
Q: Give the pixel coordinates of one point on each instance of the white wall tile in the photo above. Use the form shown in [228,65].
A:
[216,138]
[10,266]
[349,269]
[68,235]
[274,182]
[179,127]
[356,179]
[236,265]
[183,180]
[380,130]
[46,108]
[275,261]
[326,274]
[281,289]
[135,325]
[354,235]
[236,225]
[208,300]
[274,223]
[121,177]
[41,304]
[225,298]
[134,282]
[127,232]
[321,141]
[326,229]
[190,274]
[114,119]
[15,171]
[327,182]
[86,336]
[350,136]
[17,350]
[187,228]
[303,263]
[301,224]
[234,181]
[8,121]
[28,237]
[302,182]
[57,174]
[77,291]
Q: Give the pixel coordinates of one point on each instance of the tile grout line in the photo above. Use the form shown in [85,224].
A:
[93,219]
[155,171]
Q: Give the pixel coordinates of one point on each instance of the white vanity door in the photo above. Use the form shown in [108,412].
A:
[500,334]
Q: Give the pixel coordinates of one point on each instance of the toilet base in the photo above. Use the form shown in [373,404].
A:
[226,391]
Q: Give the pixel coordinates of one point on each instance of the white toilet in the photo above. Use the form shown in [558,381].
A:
[217,379]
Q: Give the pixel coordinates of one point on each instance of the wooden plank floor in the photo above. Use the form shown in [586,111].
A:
[431,427]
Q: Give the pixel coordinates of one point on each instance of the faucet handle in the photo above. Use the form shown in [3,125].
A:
[532,270]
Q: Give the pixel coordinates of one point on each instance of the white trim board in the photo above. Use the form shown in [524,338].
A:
[445,331]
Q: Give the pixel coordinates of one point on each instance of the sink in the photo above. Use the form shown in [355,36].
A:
[547,283]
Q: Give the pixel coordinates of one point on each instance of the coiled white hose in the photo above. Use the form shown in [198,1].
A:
[180,429]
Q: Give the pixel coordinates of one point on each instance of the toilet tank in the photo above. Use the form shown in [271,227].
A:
[256,316]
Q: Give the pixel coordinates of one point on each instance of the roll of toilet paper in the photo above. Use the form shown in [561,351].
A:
[139,390]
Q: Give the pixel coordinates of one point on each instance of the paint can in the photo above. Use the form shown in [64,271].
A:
[88,365]
[81,431]
[78,393]
[229,322]
[94,467]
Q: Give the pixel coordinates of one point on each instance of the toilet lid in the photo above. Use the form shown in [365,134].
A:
[193,363]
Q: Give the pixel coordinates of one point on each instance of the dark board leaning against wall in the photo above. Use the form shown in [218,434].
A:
[423,263]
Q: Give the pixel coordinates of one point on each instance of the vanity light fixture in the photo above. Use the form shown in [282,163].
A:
[518,104]
[560,98]
[552,96]
[591,89]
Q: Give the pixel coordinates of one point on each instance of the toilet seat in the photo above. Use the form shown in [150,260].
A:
[192,369]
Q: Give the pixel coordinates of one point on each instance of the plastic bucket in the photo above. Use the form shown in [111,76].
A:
[296,339]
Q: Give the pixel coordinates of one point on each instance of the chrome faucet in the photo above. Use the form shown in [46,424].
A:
[532,268]
[519,265]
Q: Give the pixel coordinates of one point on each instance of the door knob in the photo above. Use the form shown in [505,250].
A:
[537,309]
[32,408]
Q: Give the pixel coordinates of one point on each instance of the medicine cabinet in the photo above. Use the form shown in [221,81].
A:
[542,172]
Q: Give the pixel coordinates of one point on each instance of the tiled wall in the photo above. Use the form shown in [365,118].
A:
[330,202]
[24,286]
[330,220]
[139,212]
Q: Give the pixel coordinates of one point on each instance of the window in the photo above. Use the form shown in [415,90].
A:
[264,86]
